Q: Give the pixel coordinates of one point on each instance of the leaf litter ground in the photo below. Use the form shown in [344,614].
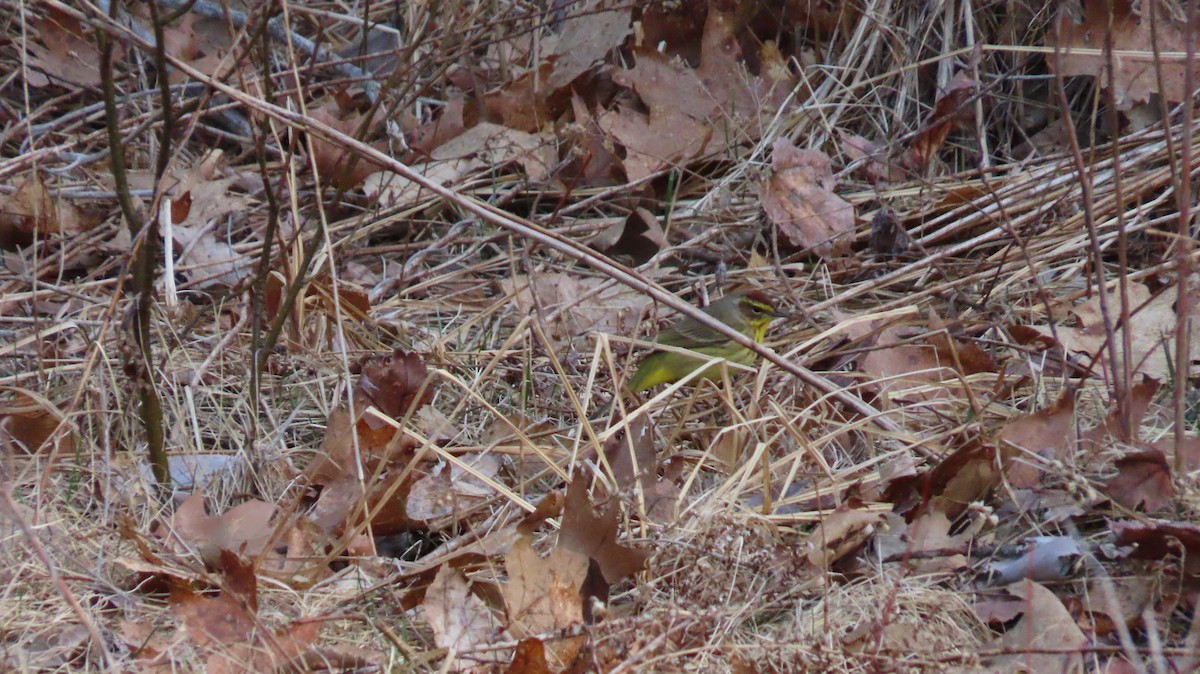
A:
[431,473]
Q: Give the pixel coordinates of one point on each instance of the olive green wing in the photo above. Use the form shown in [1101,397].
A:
[691,334]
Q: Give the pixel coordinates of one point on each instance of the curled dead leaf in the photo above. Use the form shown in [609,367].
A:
[798,198]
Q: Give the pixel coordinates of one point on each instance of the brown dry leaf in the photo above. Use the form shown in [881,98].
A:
[690,108]
[393,190]
[965,356]
[32,210]
[145,642]
[634,239]
[1137,74]
[798,198]
[1151,336]
[335,162]
[227,625]
[664,138]
[389,388]
[841,533]
[930,532]
[484,145]
[336,458]
[587,36]
[632,456]
[616,310]
[1045,639]
[1191,450]
[450,489]
[1143,481]
[997,612]
[876,167]
[543,595]
[395,383]
[1157,540]
[527,103]
[343,500]
[207,261]
[1095,440]
[594,535]
[1132,595]
[497,145]
[203,198]
[202,42]
[900,369]
[245,529]
[28,425]
[449,124]
[530,658]
[461,622]
[594,157]
[952,111]
[737,104]
[65,53]
[1048,433]
[205,190]
[227,618]
[968,474]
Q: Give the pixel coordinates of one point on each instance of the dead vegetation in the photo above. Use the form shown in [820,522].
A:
[369,276]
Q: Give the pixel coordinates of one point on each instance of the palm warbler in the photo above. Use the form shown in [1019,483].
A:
[749,312]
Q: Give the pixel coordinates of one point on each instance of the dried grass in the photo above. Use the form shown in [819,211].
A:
[728,588]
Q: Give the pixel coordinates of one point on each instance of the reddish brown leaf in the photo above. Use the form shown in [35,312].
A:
[28,424]
[32,210]
[875,166]
[336,163]
[1048,433]
[632,456]
[530,658]
[1191,450]
[449,124]
[965,356]
[595,534]
[594,157]
[1098,438]
[952,111]
[997,612]
[245,529]
[841,533]
[65,54]
[1156,540]
[586,38]
[1045,639]
[543,595]
[968,474]
[1143,479]
[799,200]
[396,383]
[693,110]
[527,103]
[656,141]
[450,489]
[459,619]
[1137,70]
[228,618]
[1151,331]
